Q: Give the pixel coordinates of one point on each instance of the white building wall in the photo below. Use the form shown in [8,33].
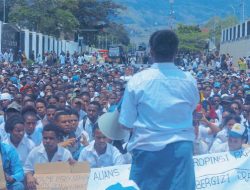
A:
[238,48]
[40,44]
[46,43]
[51,41]
[26,42]
[34,43]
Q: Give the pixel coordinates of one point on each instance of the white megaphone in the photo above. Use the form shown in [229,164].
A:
[109,125]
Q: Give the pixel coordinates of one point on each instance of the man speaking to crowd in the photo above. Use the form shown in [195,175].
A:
[157,108]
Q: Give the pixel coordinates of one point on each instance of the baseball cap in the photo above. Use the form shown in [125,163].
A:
[5,96]
[14,106]
[237,131]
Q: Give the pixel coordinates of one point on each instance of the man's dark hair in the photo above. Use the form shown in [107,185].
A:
[74,112]
[53,96]
[164,45]
[12,121]
[54,128]
[29,111]
[51,107]
[60,113]
[41,100]
[232,117]
[96,104]
[85,94]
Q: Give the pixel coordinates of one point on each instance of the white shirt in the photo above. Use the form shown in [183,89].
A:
[219,112]
[88,128]
[23,149]
[81,132]
[200,147]
[36,136]
[38,156]
[80,60]
[158,104]
[221,138]
[205,136]
[62,59]
[111,157]
[220,148]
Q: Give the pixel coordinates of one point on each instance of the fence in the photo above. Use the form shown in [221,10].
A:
[11,37]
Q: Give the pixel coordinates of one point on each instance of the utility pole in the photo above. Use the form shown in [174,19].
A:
[171,15]
[242,5]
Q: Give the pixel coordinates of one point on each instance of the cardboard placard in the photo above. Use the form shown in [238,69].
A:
[58,176]
[2,177]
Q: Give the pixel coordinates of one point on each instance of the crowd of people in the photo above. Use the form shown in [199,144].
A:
[49,113]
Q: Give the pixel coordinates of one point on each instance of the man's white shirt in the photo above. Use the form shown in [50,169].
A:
[23,148]
[111,157]
[39,155]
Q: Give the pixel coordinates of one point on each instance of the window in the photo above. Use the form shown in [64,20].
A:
[227,35]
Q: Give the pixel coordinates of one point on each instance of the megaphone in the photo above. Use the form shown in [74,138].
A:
[109,125]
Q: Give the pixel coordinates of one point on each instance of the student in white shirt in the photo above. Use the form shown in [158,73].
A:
[69,140]
[33,131]
[79,132]
[15,127]
[48,151]
[93,111]
[222,136]
[99,153]
[235,139]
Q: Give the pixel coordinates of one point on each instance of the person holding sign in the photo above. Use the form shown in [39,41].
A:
[235,139]
[99,153]
[48,151]
[157,108]
[13,170]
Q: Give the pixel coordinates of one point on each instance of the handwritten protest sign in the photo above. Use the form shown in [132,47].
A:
[62,176]
[107,177]
[223,171]
[228,171]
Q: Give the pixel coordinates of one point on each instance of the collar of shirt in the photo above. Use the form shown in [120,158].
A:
[91,148]
[57,156]
[165,65]
[23,142]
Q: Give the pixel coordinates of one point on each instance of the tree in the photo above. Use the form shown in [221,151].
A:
[53,17]
[64,18]
[191,38]
[8,5]
[216,24]
[118,32]
[91,13]
[99,16]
